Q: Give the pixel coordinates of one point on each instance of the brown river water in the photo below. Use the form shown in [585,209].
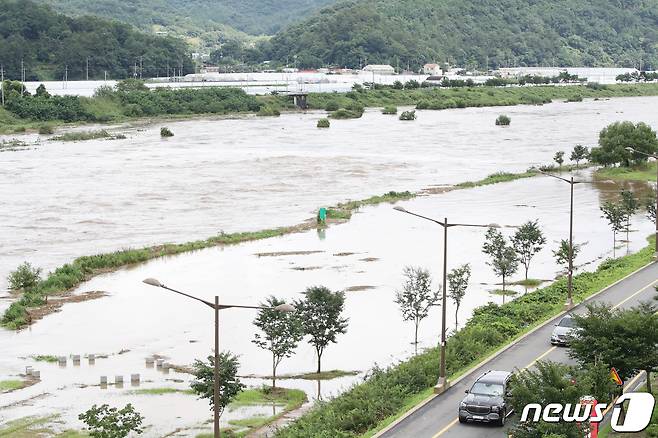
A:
[61,200]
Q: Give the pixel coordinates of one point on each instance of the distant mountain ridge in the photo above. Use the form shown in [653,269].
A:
[474,33]
[49,45]
[254,17]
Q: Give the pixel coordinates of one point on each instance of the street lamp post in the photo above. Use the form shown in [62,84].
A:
[217,307]
[569,304]
[630,149]
[442,385]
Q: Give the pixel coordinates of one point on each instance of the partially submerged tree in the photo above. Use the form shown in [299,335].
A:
[320,314]
[624,339]
[650,205]
[458,280]
[280,332]
[579,153]
[416,297]
[561,254]
[229,383]
[106,422]
[502,257]
[630,205]
[559,158]
[527,242]
[616,217]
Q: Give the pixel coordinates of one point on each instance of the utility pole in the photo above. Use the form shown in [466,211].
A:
[87,68]
[2,83]
[66,76]
[135,70]
[141,66]
[22,77]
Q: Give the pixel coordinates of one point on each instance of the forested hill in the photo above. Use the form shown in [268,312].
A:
[48,42]
[253,17]
[474,32]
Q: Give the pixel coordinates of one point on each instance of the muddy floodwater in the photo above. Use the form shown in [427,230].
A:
[365,257]
[62,200]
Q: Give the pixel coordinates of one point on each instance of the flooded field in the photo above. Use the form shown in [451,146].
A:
[62,200]
[365,257]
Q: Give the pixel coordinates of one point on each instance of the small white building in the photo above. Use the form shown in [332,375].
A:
[380,69]
[432,69]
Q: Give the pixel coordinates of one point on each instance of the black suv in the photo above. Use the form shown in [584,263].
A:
[487,400]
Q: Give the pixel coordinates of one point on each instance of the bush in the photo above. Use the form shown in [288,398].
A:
[332,106]
[390,110]
[503,120]
[344,113]
[25,277]
[408,115]
[166,132]
[323,123]
[46,129]
[269,111]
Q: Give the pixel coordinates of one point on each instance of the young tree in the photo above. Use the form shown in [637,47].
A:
[624,339]
[416,297]
[650,205]
[528,241]
[561,254]
[281,332]
[502,257]
[320,313]
[229,383]
[559,158]
[616,217]
[458,280]
[579,153]
[106,422]
[630,205]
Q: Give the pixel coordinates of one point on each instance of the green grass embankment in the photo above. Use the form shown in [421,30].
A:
[645,172]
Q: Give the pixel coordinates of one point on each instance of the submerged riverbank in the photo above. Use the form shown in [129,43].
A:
[135,102]
[33,303]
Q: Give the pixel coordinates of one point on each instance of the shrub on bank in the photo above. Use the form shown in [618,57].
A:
[503,120]
[385,391]
[390,110]
[408,115]
[268,111]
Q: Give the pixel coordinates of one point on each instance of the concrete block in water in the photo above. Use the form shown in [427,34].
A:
[62,361]
[28,371]
[103,380]
[159,363]
[118,380]
[134,379]
[36,374]
[92,359]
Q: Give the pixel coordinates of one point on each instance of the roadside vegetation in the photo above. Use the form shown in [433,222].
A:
[387,392]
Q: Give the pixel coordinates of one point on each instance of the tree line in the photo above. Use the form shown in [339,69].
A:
[43,45]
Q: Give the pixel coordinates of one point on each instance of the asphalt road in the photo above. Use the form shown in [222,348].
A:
[438,418]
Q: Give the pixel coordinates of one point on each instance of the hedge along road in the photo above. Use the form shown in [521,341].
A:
[438,417]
